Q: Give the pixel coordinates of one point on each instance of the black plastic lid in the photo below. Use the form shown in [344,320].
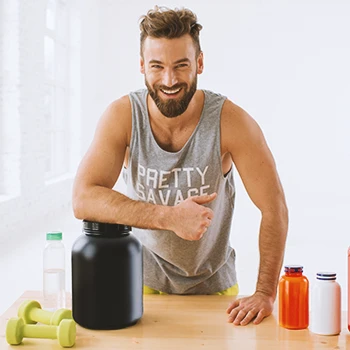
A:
[326,276]
[293,268]
[101,229]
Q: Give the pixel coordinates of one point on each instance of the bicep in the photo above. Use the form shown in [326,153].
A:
[103,161]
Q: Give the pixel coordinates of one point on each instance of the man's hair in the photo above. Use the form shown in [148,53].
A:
[162,22]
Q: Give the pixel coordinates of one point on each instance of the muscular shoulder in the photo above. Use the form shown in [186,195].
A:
[119,111]
[116,120]
[238,128]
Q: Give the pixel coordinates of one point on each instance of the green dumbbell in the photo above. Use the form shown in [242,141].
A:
[31,312]
[65,332]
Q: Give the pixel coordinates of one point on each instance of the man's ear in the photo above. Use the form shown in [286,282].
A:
[142,65]
[200,63]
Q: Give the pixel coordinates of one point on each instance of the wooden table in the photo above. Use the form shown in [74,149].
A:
[186,322]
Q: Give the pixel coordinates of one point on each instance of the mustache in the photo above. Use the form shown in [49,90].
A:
[174,87]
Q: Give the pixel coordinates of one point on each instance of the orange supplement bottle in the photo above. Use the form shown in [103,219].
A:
[293,299]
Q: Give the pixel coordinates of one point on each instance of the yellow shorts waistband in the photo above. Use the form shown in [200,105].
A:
[233,291]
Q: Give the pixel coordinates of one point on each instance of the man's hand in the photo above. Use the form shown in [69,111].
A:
[191,219]
[244,310]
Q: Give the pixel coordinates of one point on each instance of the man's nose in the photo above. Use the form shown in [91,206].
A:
[169,77]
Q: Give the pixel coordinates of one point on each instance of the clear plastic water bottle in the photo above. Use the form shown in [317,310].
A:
[54,289]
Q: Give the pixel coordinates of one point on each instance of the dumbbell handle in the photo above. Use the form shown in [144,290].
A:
[40,315]
[43,332]
[31,312]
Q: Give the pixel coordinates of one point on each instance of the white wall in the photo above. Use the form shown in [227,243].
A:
[286,63]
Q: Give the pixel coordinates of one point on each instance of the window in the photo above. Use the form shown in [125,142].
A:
[60,87]
[29,160]
[10,140]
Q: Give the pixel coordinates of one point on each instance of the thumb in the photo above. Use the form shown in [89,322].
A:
[205,198]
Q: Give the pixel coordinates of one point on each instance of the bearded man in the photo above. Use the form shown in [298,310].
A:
[176,147]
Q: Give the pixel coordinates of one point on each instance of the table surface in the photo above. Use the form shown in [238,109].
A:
[186,322]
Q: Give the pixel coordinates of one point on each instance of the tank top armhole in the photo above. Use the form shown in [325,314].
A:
[132,135]
[218,149]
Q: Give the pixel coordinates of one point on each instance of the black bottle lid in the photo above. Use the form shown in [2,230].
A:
[95,228]
[293,268]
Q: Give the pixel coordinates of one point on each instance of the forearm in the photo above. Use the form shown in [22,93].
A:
[98,203]
[272,239]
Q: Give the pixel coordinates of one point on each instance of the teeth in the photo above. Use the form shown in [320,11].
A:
[171,91]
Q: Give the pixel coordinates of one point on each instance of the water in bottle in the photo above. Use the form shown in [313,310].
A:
[54,272]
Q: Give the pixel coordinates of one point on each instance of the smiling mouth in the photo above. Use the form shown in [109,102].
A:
[170,92]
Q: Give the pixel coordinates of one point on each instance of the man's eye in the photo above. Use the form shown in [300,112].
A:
[181,65]
[156,66]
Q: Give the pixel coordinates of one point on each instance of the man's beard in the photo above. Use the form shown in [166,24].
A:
[172,107]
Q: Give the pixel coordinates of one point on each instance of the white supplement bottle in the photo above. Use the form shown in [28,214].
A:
[325,315]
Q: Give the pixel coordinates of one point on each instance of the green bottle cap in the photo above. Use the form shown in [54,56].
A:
[54,236]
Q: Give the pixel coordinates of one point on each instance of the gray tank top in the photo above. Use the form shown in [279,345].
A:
[172,264]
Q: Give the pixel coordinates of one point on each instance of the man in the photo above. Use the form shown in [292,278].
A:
[178,145]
